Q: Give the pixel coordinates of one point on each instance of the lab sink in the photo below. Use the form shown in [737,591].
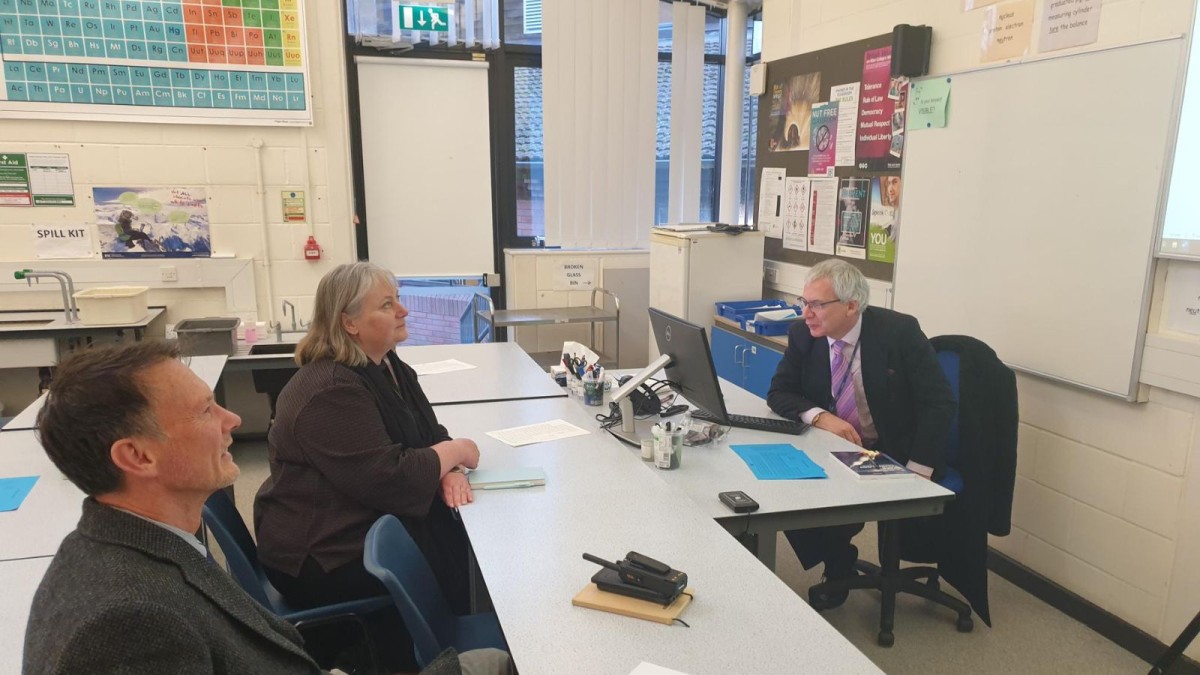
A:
[271,381]
[273,348]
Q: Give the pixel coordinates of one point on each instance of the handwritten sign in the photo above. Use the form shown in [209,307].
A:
[928,106]
[1007,30]
[62,241]
[577,274]
[1069,23]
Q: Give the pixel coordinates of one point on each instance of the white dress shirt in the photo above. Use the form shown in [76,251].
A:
[866,424]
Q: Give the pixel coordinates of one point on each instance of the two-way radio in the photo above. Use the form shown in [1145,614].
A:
[639,576]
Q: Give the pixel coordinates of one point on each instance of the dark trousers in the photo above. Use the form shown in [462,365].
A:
[328,645]
[824,544]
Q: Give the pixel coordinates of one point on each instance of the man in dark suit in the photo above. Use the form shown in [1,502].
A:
[131,589]
[866,374]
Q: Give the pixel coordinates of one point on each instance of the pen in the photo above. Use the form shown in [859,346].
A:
[503,486]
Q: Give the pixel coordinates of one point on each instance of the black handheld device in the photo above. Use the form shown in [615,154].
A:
[738,501]
[643,572]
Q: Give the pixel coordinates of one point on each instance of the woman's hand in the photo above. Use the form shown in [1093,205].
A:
[457,452]
[456,490]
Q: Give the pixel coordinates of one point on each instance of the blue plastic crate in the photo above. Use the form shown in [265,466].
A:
[772,327]
[744,310]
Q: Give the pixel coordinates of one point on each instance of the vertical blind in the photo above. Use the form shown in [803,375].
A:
[599,66]
[687,107]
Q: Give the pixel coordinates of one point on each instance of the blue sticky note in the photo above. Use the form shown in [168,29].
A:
[14,490]
[778,461]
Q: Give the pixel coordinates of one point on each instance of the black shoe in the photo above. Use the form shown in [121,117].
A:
[837,568]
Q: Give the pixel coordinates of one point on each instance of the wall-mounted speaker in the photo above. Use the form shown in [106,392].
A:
[910,50]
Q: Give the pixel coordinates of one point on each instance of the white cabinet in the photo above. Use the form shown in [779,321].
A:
[691,271]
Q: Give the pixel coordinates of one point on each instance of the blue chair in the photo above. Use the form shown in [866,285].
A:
[980,470]
[222,519]
[393,557]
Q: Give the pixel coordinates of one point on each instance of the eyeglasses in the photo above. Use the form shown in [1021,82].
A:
[814,305]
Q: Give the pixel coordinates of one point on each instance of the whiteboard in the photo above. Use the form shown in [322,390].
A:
[1029,221]
[427,170]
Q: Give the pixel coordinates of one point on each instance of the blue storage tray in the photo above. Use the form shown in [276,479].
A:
[743,310]
[772,327]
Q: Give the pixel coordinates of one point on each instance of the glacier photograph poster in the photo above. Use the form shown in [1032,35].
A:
[142,222]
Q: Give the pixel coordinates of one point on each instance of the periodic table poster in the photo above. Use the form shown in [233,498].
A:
[183,61]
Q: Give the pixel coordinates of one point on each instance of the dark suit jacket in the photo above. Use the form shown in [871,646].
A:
[987,459]
[124,595]
[910,400]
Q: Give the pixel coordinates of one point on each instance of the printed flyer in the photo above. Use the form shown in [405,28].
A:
[795,213]
[822,151]
[791,112]
[853,194]
[873,144]
[884,224]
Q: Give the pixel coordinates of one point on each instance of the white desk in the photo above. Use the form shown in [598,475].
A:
[791,504]
[19,580]
[49,512]
[207,367]
[502,372]
[529,544]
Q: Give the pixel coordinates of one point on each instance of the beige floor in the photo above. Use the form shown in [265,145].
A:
[1027,636]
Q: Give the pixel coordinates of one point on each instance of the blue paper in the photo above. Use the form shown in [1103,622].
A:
[778,461]
[14,490]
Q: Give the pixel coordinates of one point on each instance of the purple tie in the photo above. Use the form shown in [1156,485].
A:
[843,386]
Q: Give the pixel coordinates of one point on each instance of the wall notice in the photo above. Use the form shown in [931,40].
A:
[1069,23]
[293,206]
[62,241]
[1007,30]
[575,274]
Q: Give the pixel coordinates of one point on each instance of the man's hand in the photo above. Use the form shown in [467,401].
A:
[837,426]
[456,490]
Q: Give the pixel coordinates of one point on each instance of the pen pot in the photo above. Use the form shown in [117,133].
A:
[593,390]
[676,435]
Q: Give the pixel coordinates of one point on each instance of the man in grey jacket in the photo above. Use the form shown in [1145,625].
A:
[131,589]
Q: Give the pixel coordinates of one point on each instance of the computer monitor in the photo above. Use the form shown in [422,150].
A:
[690,371]
[688,363]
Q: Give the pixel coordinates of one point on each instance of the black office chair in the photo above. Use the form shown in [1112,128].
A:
[980,470]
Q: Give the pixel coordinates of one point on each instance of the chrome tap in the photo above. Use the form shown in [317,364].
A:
[286,305]
[65,283]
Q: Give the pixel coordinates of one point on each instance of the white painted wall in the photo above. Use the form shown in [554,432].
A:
[1108,493]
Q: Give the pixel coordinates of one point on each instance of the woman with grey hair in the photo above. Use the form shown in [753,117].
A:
[355,438]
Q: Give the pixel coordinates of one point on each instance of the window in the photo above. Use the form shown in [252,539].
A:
[710,125]
[523,22]
[527,108]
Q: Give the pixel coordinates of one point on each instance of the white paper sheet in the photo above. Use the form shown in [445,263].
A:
[795,213]
[439,367]
[846,96]
[644,668]
[822,210]
[541,432]
[770,202]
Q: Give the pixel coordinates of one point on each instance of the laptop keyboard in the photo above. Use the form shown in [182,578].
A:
[756,423]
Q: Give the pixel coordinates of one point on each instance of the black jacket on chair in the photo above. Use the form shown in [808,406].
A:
[987,460]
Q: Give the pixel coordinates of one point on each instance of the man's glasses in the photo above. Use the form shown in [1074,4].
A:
[814,305]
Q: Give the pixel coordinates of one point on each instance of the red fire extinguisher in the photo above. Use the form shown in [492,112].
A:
[312,250]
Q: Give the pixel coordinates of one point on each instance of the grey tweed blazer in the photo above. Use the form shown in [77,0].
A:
[126,596]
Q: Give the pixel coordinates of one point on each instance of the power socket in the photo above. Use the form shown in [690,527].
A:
[770,274]
[168,273]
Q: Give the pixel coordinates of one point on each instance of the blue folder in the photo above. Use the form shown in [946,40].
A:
[778,461]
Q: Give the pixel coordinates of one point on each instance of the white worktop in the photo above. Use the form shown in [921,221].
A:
[54,321]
